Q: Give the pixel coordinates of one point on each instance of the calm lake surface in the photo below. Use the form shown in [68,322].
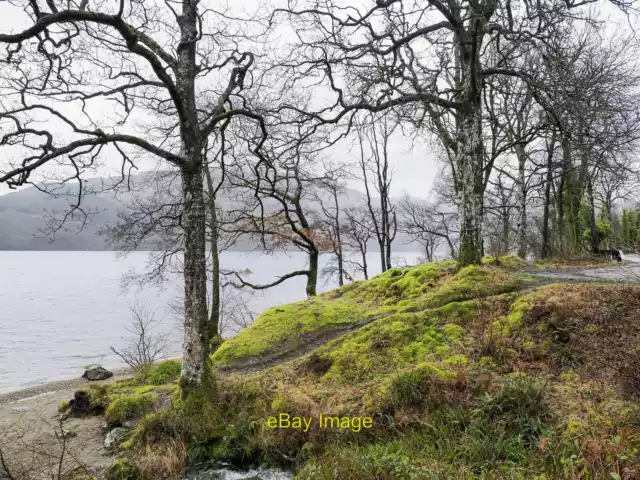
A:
[61,311]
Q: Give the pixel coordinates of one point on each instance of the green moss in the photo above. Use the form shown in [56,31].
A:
[163,372]
[285,327]
[456,360]
[399,291]
[511,262]
[126,406]
[398,284]
[460,312]
[444,406]
[122,469]
[453,331]
[470,283]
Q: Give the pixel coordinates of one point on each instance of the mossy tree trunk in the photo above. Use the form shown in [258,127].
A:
[560,201]
[195,349]
[470,149]
[594,235]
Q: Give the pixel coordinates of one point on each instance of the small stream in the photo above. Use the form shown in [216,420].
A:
[223,471]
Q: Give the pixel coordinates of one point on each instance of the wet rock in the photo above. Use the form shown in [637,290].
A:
[115,437]
[95,373]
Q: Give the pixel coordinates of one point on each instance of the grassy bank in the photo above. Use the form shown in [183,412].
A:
[474,374]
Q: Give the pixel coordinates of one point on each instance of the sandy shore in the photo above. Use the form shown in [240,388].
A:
[30,430]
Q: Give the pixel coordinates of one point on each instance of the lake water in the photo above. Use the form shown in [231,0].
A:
[60,311]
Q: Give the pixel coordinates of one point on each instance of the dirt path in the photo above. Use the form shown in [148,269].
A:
[306,346]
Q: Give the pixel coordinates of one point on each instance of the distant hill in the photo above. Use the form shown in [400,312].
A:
[23,214]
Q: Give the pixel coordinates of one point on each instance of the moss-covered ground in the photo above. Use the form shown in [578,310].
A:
[465,374]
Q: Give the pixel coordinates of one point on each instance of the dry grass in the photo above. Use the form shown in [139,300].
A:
[163,459]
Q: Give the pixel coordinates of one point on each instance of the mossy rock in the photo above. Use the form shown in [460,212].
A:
[126,406]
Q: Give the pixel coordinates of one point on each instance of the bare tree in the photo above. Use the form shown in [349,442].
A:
[500,206]
[166,61]
[281,175]
[597,115]
[329,219]
[24,456]
[146,345]
[235,311]
[429,224]
[377,175]
[358,230]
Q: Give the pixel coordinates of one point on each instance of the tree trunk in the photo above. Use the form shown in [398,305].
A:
[470,150]
[546,240]
[522,219]
[312,277]
[593,226]
[383,257]
[365,267]
[195,349]
[505,231]
[470,196]
[388,241]
[214,312]
[566,165]
[340,267]
[339,255]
